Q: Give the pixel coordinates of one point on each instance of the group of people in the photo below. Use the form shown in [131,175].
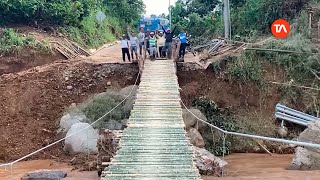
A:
[158,44]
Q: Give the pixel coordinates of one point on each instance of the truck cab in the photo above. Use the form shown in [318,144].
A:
[154,24]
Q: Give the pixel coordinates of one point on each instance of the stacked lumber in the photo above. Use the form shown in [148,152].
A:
[69,49]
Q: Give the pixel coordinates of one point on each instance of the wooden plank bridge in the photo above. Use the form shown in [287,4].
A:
[154,146]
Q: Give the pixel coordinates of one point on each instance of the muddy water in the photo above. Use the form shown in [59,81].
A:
[20,169]
[241,167]
[263,166]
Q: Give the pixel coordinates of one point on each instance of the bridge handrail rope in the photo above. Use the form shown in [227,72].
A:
[299,143]
[58,141]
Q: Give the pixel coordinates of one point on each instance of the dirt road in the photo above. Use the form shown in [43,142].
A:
[112,54]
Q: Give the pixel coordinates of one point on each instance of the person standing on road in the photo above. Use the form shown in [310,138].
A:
[125,48]
[183,40]
[134,43]
[161,41]
[141,37]
[152,45]
[168,44]
[147,36]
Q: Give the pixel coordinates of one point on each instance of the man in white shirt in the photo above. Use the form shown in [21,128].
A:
[125,48]
[134,43]
[161,41]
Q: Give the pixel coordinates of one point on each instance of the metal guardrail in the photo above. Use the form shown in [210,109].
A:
[294,116]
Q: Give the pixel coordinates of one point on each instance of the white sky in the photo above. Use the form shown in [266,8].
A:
[157,7]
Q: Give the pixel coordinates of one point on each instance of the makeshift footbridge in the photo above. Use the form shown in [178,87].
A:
[155,146]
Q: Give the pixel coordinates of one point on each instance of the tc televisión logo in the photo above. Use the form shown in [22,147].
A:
[280,28]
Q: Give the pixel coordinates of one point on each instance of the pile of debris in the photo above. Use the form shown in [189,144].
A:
[218,47]
[107,147]
[69,49]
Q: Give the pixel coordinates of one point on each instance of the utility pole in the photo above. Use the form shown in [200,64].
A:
[226,17]
[170,17]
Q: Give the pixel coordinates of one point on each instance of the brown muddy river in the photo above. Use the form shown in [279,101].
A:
[241,167]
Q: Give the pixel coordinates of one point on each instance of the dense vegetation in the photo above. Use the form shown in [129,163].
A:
[248,17]
[77,17]
[251,21]
[11,41]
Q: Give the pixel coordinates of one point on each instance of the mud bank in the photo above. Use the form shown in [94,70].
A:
[32,102]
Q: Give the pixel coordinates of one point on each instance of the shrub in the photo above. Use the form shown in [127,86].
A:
[247,68]
[100,105]
[219,117]
[11,41]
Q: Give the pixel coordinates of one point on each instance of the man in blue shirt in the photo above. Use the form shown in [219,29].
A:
[183,39]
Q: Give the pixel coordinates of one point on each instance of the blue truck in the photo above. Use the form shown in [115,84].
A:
[154,23]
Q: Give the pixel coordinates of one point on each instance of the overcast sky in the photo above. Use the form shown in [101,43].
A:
[157,7]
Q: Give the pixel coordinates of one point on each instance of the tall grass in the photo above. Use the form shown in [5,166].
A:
[11,41]
[93,34]
[247,68]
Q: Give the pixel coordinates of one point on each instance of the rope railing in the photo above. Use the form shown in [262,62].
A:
[60,140]
[299,143]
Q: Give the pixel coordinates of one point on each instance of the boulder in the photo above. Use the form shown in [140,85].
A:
[126,90]
[195,137]
[113,125]
[70,119]
[83,141]
[69,87]
[44,175]
[128,105]
[125,122]
[190,120]
[207,163]
[306,157]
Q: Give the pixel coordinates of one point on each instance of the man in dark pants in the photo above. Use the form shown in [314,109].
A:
[168,44]
[147,36]
[183,40]
[125,48]
[141,37]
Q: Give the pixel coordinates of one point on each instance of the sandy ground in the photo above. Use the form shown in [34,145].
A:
[241,167]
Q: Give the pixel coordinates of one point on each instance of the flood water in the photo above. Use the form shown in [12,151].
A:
[241,167]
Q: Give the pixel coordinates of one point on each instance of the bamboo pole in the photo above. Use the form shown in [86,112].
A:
[278,50]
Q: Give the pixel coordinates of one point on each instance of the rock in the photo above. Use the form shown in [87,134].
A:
[283,132]
[109,83]
[125,122]
[195,138]
[126,90]
[82,142]
[190,120]
[44,175]
[207,163]
[306,157]
[70,119]
[113,125]
[305,160]
[69,87]
[128,105]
